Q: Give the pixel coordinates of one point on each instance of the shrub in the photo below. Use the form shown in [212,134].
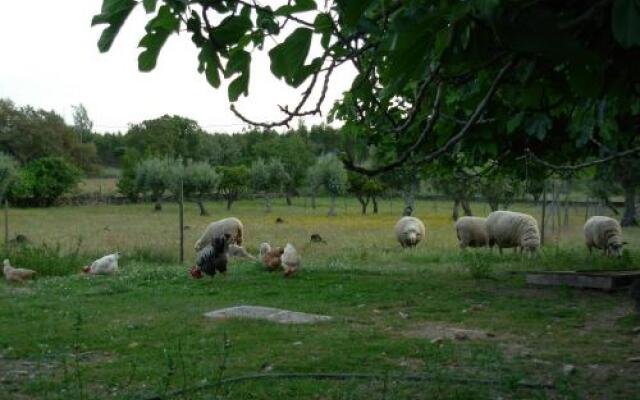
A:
[41,182]
[46,260]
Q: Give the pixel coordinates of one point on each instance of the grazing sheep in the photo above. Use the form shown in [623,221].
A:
[106,265]
[290,260]
[472,232]
[279,220]
[409,231]
[271,257]
[513,229]
[604,233]
[229,226]
[16,274]
[213,258]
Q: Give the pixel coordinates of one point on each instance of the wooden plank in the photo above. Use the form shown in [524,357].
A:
[603,280]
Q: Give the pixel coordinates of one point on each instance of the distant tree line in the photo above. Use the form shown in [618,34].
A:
[46,158]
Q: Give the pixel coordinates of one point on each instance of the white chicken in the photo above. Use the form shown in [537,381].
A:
[103,266]
[16,274]
[290,260]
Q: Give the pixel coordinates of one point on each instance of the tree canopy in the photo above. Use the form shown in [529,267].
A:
[547,80]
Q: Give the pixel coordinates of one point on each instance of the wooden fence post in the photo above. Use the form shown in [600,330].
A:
[181,218]
[544,209]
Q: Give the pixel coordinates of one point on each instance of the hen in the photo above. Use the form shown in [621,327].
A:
[106,265]
[212,258]
[17,274]
[270,257]
[290,260]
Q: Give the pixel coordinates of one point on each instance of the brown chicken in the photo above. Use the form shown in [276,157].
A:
[17,274]
[271,258]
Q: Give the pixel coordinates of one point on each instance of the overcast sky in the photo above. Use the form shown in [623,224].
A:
[49,59]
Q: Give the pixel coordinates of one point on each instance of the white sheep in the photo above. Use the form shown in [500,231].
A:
[472,232]
[409,231]
[231,226]
[603,233]
[508,229]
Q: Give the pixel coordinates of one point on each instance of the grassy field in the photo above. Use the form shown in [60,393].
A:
[141,334]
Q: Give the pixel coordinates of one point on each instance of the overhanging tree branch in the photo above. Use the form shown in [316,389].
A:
[576,167]
[475,116]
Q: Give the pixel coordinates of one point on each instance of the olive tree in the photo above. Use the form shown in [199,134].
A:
[200,180]
[268,178]
[329,173]
[234,180]
[8,173]
[155,176]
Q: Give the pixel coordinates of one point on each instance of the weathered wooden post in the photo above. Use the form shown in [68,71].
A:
[181,220]
[544,210]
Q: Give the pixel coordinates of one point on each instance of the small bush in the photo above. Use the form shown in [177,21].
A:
[479,265]
[46,260]
[41,182]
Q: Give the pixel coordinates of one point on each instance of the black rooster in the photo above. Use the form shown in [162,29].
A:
[213,258]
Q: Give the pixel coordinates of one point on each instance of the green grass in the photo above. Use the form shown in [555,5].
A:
[142,332]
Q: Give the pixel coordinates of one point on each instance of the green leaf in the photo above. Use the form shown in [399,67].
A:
[625,22]
[194,25]
[352,10]
[114,13]
[538,126]
[289,56]
[297,7]
[305,71]
[238,62]
[209,64]
[485,8]
[323,23]
[239,86]
[231,29]
[149,5]
[158,30]
[515,122]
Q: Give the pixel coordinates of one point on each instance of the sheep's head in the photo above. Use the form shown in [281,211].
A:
[412,238]
[195,272]
[6,262]
[86,269]
[614,248]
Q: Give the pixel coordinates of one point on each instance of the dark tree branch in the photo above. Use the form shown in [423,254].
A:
[349,164]
[297,111]
[576,167]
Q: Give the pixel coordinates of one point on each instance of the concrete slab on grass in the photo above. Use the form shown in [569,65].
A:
[267,313]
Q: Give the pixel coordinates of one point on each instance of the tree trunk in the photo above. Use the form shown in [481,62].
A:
[313,201]
[158,205]
[267,201]
[629,217]
[287,196]
[493,205]
[229,202]
[456,206]
[375,205]
[332,208]
[203,211]
[466,208]
[363,203]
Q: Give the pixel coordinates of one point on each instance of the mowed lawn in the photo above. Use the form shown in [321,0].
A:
[141,334]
